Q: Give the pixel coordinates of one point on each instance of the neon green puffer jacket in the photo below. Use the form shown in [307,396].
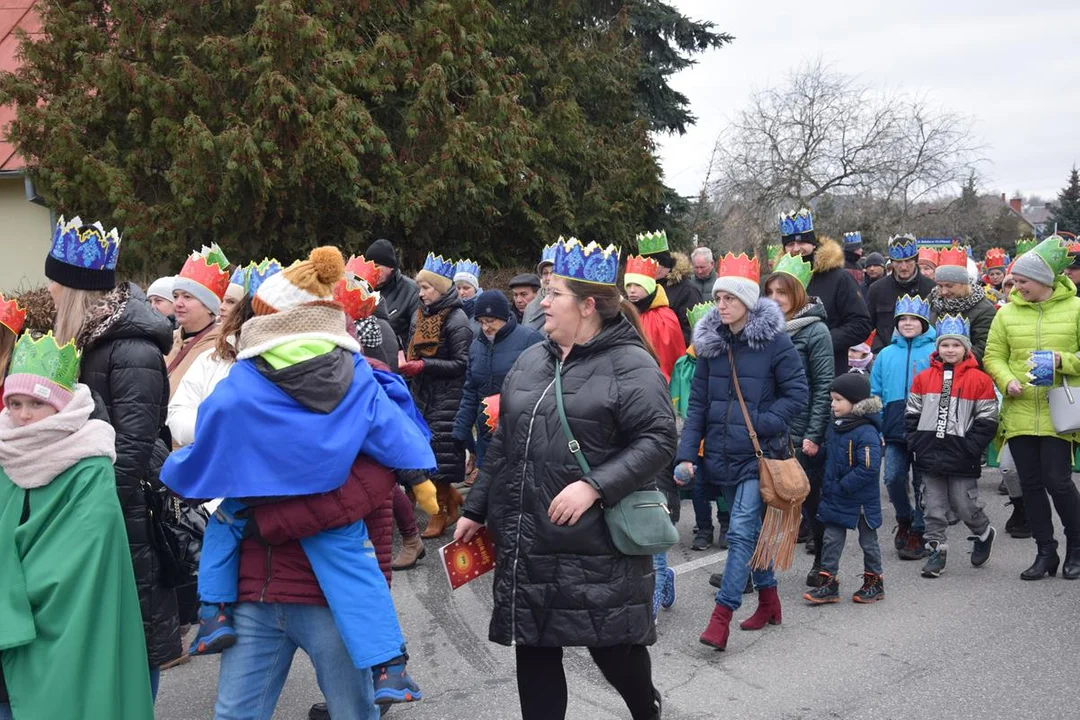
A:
[1020,327]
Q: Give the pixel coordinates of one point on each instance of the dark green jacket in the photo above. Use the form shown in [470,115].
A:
[810,335]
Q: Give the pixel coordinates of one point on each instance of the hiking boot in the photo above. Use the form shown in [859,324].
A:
[872,590]
[702,539]
[412,550]
[827,592]
[981,552]
[935,563]
[815,578]
[915,548]
[717,580]
[1017,524]
[216,631]
[667,594]
[903,530]
[718,629]
[393,684]
[768,611]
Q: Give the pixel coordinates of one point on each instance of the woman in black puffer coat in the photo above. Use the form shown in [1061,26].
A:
[559,581]
[436,360]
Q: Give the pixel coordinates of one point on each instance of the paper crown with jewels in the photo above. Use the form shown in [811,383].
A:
[995,258]
[796,267]
[467,270]
[547,254]
[1054,252]
[638,267]
[43,357]
[354,292]
[852,238]
[364,269]
[740,266]
[903,247]
[912,305]
[651,243]
[490,406]
[440,266]
[209,268]
[590,263]
[795,224]
[930,255]
[83,256]
[1023,245]
[952,325]
[12,314]
[694,314]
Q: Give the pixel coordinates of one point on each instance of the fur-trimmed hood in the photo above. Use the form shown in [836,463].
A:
[828,256]
[864,412]
[712,337]
[682,268]
[867,407]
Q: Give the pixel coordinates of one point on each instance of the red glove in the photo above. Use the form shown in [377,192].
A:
[412,368]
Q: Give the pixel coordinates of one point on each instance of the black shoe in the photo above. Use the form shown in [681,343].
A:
[935,564]
[721,539]
[702,539]
[811,546]
[1017,524]
[981,552]
[318,711]
[804,532]
[1071,569]
[1046,563]
[717,579]
[816,578]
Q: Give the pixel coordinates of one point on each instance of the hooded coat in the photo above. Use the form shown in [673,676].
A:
[881,299]
[810,335]
[845,312]
[124,343]
[773,384]
[681,293]
[852,467]
[891,377]
[567,585]
[663,331]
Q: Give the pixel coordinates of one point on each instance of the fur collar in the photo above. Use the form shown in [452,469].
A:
[828,256]
[712,337]
[682,268]
[867,407]
[103,315]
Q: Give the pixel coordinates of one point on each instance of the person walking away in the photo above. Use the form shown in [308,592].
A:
[64,553]
[1032,345]
[538,505]
[956,294]
[906,279]
[948,438]
[748,330]
[534,318]
[851,496]
[804,323]
[197,295]
[398,292]
[703,265]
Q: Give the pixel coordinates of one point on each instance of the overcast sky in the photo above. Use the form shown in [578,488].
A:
[1013,66]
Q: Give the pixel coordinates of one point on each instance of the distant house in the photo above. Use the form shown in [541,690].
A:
[25,226]
[1039,216]
[1016,206]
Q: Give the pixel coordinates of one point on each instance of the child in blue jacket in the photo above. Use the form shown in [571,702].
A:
[850,495]
[894,370]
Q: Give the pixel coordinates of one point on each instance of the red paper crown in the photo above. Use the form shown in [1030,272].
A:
[739,266]
[929,255]
[995,258]
[870,340]
[355,296]
[12,316]
[210,276]
[952,256]
[491,411]
[638,265]
[365,270]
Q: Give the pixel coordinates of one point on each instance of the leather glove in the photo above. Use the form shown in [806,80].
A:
[411,368]
[251,529]
[425,497]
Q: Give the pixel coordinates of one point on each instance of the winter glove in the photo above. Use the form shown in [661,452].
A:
[425,497]
[411,368]
[251,529]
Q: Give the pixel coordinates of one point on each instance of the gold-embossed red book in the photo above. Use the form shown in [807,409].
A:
[466,561]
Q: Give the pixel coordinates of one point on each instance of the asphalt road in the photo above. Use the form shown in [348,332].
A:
[977,643]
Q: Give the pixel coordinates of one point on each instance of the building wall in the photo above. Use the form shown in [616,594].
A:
[25,234]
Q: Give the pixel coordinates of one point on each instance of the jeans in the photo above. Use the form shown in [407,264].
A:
[1044,465]
[5,712]
[898,461]
[746,506]
[659,563]
[155,683]
[702,496]
[834,538]
[942,492]
[254,670]
[541,680]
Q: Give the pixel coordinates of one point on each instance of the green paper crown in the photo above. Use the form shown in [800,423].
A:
[1023,245]
[772,252]
[697,312]
[796,267]
[1054,252]
[652,243]
[213,256]
[42,357]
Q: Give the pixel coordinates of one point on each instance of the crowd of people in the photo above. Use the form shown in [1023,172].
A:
[223,460]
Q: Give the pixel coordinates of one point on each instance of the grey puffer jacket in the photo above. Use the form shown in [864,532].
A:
[558,586]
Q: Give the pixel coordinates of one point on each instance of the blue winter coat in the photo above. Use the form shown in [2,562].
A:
[893,372]
[852,466]
[773,383]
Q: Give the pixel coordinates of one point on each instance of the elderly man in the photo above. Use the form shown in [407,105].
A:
[704,266]
[905,280]
[524,288]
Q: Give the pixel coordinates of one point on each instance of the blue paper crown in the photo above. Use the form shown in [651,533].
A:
[85,246]
[796,223]
[467,266]
[903,247]
[587,263]
[953,325]
[916,306]
[853,238]
[239,277]
[436,264]
[258,274]
[547,255]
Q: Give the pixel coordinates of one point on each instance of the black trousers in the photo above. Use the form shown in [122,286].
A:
[542,682]
[815,473]
[1044,466]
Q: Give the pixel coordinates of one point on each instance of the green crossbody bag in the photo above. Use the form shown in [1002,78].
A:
[640,523]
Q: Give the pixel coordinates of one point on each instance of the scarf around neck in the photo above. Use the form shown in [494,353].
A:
[957,306]
[34,454]
[425,339]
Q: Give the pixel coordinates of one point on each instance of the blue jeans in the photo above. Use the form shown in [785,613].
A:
[5,712]
[744,501]
[155,683]
[898,461]
[702,495]
[254,670]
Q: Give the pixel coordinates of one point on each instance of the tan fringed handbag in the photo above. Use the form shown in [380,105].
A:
[784,487]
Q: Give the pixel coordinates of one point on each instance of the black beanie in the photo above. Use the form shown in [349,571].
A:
[381,252]
[492,304]
[664,259]
[853,387]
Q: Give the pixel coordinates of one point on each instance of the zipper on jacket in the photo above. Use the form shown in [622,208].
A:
[1038,344]
[262,593]
[517,532]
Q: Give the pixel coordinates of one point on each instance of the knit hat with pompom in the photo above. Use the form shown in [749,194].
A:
[305,282]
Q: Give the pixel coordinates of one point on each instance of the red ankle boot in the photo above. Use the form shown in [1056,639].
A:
[716,635]
[767,613]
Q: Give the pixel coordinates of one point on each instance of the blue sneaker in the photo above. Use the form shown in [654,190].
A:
[667,595]
[393,685]
[216,630]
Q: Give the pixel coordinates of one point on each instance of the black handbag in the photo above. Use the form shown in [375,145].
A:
[176,533]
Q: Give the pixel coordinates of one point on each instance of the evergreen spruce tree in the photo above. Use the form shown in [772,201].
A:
[1066,211]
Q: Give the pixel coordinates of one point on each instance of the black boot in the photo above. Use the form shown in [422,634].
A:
[1046,563]
[717,580]
[1017,524]
[1071,569]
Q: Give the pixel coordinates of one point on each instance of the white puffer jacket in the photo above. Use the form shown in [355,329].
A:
[198,382]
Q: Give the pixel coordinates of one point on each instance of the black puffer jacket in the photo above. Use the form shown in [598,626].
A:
[401,298]
[558,586]
[845,310]
[124,343]
[881,300]
[438,388]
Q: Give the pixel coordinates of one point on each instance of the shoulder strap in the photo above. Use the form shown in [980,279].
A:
[575,447]
[742,404]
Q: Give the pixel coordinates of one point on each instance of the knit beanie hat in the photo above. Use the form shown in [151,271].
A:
[162,288]
[42,369]
[492,304]
[304,282]
[381,252]
[83,255]
[953,327]
[740,276]
[874,258]
[853,387]
[438,273]
[1033,266]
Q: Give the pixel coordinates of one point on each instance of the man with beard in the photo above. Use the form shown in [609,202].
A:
[905,280]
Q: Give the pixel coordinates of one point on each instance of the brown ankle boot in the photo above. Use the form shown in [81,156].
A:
[437,524]
[412,549]
[454,501]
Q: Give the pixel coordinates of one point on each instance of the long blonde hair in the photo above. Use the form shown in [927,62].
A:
[7,344]
[71,311]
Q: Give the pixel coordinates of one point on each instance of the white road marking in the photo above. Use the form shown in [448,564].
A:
[717,557]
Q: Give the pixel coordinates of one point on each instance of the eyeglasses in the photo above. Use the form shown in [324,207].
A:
[556,294]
